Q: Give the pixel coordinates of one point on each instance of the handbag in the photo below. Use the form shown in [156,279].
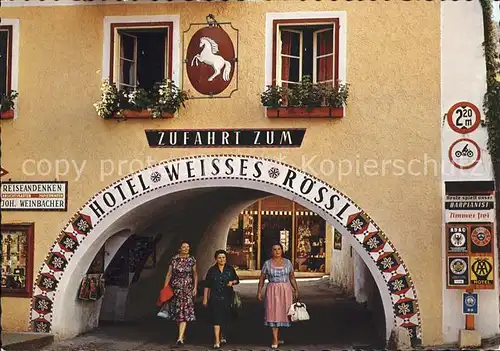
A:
[298,312]
[236,304]
[164,311]
[165,294]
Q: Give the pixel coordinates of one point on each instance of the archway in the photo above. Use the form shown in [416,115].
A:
[55,284]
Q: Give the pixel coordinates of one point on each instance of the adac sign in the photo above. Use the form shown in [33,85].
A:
[210,60]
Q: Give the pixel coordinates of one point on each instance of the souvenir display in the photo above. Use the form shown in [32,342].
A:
[241,242]
[92,287]
[302,234]
[14,250]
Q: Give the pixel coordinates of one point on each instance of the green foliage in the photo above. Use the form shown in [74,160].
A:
[164,97]
[306,94]
[167,97]
[7,101]
[491,103]
[273,96]
[336,96]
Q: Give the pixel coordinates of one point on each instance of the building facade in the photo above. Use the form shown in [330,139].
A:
[76,186]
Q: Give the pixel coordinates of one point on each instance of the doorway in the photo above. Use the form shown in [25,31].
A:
[275,229]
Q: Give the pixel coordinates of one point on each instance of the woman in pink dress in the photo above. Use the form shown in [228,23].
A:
[279,294]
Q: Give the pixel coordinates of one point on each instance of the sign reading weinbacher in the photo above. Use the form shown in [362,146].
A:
[165,138]
[34,196]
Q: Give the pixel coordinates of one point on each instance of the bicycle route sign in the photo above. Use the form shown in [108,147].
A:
[464,153]
[463,117]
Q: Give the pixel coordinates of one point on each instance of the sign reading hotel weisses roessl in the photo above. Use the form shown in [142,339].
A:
[34,196]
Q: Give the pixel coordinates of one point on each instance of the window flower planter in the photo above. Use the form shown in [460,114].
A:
[305,112]
[140,103]
[142,114]
[7,115]
[296,101]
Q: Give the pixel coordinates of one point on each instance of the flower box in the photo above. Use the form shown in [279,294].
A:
[305,112]
[7,115]
[142,114]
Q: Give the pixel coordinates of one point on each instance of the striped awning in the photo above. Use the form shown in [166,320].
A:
[280,213]
[250,212]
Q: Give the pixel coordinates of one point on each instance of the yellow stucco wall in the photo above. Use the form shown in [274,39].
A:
[393,66]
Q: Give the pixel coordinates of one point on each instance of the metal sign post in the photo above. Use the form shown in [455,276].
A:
[470,307]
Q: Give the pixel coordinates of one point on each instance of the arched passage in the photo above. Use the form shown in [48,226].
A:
[56,283]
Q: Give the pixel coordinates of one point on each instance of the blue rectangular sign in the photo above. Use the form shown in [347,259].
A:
[469,303]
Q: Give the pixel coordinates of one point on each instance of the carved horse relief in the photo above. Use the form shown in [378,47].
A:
[209,56]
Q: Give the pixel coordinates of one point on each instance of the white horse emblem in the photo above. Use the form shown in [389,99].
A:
[208,56]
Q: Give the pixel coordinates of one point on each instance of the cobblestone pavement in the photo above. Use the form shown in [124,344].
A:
[337,323]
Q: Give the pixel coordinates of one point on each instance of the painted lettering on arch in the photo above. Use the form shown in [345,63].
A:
[311,189]
[322,196]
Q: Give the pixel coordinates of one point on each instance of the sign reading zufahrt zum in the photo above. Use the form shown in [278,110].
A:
[205,138]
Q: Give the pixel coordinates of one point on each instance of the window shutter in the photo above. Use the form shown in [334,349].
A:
[324,56]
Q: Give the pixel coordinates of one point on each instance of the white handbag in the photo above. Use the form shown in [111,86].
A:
[298,312]
[164,311]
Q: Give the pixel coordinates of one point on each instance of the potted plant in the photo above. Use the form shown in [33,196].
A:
[305,99]
[7,103]
[162,101]
[336,96]
[167,98]
[273,96]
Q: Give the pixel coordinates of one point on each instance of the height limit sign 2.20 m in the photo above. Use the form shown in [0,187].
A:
[463,117]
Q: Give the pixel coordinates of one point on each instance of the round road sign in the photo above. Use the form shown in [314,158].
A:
[464,153]
[463,117]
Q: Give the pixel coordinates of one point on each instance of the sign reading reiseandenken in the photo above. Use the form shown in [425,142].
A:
[34,196]
[165,138]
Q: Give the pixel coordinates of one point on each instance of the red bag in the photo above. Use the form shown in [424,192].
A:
[165,294]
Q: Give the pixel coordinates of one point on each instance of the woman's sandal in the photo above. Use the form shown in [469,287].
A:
[216,346]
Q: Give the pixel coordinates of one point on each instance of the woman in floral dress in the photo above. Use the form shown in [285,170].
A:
[183,278]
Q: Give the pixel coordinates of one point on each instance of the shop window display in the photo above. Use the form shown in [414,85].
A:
[311,243]
[273,219]
[276,228]
[241,241]
[17,260]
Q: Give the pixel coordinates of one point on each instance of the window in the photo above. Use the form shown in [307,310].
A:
[5,58]
[140,54]
[17,259]
[307,47]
